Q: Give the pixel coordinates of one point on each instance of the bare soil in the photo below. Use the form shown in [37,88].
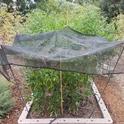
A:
[113,98]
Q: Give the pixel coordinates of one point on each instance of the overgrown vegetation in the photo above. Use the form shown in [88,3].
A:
[86,19]
[6,101]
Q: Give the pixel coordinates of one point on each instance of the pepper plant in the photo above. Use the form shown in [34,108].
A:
[46,89]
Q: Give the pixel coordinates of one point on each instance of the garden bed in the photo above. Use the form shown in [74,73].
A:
[83,111]
[104,119]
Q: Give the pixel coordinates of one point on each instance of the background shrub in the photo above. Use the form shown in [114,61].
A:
[8,25]
[86,19]
[6,101]
[120,25]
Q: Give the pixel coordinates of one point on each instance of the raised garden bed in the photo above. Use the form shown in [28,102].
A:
[105,119]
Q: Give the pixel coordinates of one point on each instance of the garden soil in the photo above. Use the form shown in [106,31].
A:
[113,96]
[84,111]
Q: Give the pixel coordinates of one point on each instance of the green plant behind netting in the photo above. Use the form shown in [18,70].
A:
[45,85]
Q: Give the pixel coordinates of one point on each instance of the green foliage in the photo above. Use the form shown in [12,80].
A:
[49,6]
[6,102]
[23,6]
[122,6]
[76,87]
[45,85]
[86,19]
[111,8]
[91,22]
[84,1]
[120,25]
[45,89]
[8,23]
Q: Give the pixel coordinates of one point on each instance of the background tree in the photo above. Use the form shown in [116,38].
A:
[111,8]
[23,6]
[122,6]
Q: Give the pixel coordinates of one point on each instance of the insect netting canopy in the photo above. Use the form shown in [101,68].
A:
[66,50]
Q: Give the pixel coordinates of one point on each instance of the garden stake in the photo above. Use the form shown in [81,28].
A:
[61,89]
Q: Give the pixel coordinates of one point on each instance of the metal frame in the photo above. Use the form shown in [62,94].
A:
[105,120]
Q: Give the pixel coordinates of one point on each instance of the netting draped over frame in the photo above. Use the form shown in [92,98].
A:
[75,51]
